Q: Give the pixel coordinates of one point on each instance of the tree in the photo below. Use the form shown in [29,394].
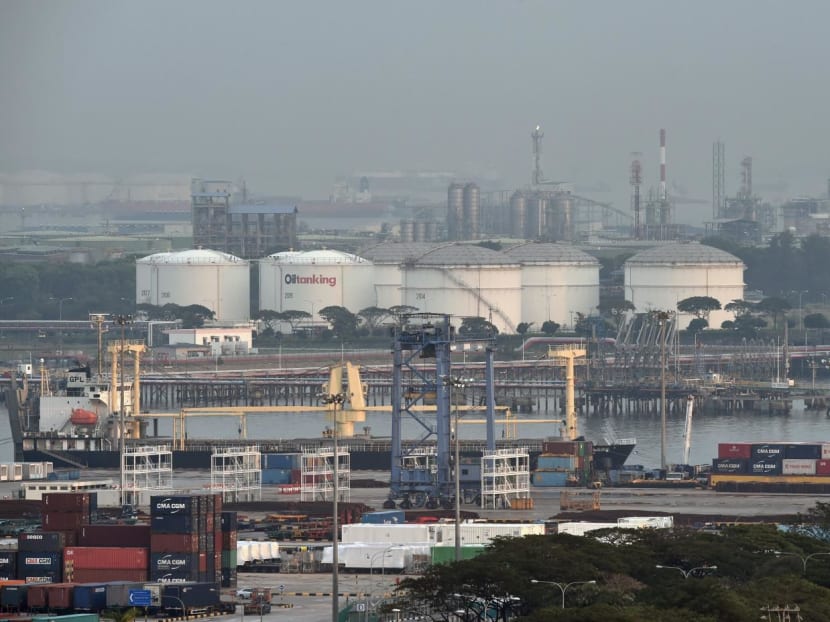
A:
[343,322]
[270,318]
[615,309]
[816,320]
[294,317]
[477,327]
[699,306]
[373,316]
[774,307]
[549,327]
[523,328]
[697,325]
[739,307]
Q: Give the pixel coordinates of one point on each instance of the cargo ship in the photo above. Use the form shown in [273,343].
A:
[776,466]
[78,428]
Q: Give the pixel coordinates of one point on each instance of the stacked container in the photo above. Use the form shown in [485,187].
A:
[8,565]
[67,512]
[93,564]
[39,556]
[229,538]
[281,468]
[563,462]
[185,544]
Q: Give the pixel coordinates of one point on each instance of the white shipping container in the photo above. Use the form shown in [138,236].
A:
[4,472]
[642,522]
[482,533]
[581,528]
[800,466]
[377,558]
[368,533]
[16,472]
[825,451]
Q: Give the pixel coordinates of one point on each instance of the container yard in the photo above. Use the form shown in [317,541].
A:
[771,467]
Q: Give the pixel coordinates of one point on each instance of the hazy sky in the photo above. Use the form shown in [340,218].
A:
[293,95]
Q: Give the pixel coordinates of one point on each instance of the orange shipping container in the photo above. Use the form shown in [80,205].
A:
[105,557]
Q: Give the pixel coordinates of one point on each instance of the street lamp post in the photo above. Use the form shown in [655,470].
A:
[662,317]
[804,558]
[335,399]
[122,321]
[686,573]
[563,587]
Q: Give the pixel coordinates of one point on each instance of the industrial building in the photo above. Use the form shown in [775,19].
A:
[213,279]
[227,221]
[660,277]
[312,280]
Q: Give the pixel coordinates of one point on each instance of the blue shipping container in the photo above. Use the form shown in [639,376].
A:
[765,467]
[803,451]
[276,476]
[174,524]
[384,517]
[281,461]
[89,597]
[174,506]
[729,465]
[13,596]
[229,521]
[549,478]
[556,463]
[767,452]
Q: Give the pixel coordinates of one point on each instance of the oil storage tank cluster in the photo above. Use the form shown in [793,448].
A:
[212,279]
[312,280]
[660,277]
[557,280]
[463,211]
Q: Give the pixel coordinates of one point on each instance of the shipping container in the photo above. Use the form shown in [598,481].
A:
[802,451]
[67,502]
[796,466]
[384,517]
[118,592]
[825,451]
[730,465]
[40,541]
[228,559]
[735,450]
[128,558]
[37,597]
[195,596]
[229,521]
[823,467]
[570,448]
[38,563]
[228,577]
[174,505]
[14,597]
[446,554]
[8,565]
[549,478]
[280,461]
[70,538]
[89,597]
[174,543]
[175,523]
[59,596]
[104,575]
[63,521]
[765,467]
[137,536]
[173,565]
[768,451]
[276,476]
[547,462]
[390,534]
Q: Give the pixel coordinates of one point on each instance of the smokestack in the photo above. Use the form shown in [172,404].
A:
[663,194]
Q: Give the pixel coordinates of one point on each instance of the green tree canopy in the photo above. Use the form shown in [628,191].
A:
[699,306]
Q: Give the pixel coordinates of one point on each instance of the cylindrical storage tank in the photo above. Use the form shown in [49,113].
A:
[312,280]
[660,277]
[455,210]
[212,279]
[388,259]
[431,232]
[472,210]
[565,218]
[558,281]
[407,231]
[518,209]
[465,280]
[536,219]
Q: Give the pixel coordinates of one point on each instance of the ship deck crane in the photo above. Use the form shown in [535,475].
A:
[569,353]
[687,433]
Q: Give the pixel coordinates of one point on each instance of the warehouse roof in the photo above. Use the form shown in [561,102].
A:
[684,253]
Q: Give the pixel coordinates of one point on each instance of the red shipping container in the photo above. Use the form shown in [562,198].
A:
[822,467]
[104,575]
[217,505]
[203,560]
[296,475]
[115,535]
[229,539]
[63,521]
[66,501]
[37,596]
[209,523]
[70,538]
[735,450]
[105,557]
[218,540]
[174,542]
[59,595]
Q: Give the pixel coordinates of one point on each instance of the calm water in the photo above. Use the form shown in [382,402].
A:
[707,430]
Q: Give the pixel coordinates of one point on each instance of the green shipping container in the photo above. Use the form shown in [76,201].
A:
[228,559]
[446,554]
[75,617]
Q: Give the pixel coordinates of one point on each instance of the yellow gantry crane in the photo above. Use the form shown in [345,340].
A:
[569,354]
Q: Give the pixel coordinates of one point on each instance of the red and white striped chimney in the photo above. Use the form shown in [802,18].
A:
[663,194]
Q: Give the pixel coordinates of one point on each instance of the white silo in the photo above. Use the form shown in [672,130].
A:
[660,277]
[212,279]
[558,281]
[466,280]
[312,280]
[388,259]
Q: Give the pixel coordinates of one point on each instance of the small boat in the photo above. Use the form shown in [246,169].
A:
[81,416]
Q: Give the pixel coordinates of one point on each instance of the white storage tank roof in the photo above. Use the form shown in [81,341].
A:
[396,252]
[660,277]
[212,279]
[558,281]
[318,257]
[463,255]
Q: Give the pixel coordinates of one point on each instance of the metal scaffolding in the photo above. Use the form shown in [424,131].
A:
[236,474]
[317,475]
[146,468]
[505,476]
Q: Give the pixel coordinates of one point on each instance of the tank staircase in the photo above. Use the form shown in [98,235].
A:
[475,292]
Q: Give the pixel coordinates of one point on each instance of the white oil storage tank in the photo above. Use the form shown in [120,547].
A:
[660,277]
[389,259]
[466,280]
[212,279]
[558,281]
[312,280]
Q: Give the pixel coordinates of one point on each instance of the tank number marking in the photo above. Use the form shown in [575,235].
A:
[165,294]
[289,295]
[420,296]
